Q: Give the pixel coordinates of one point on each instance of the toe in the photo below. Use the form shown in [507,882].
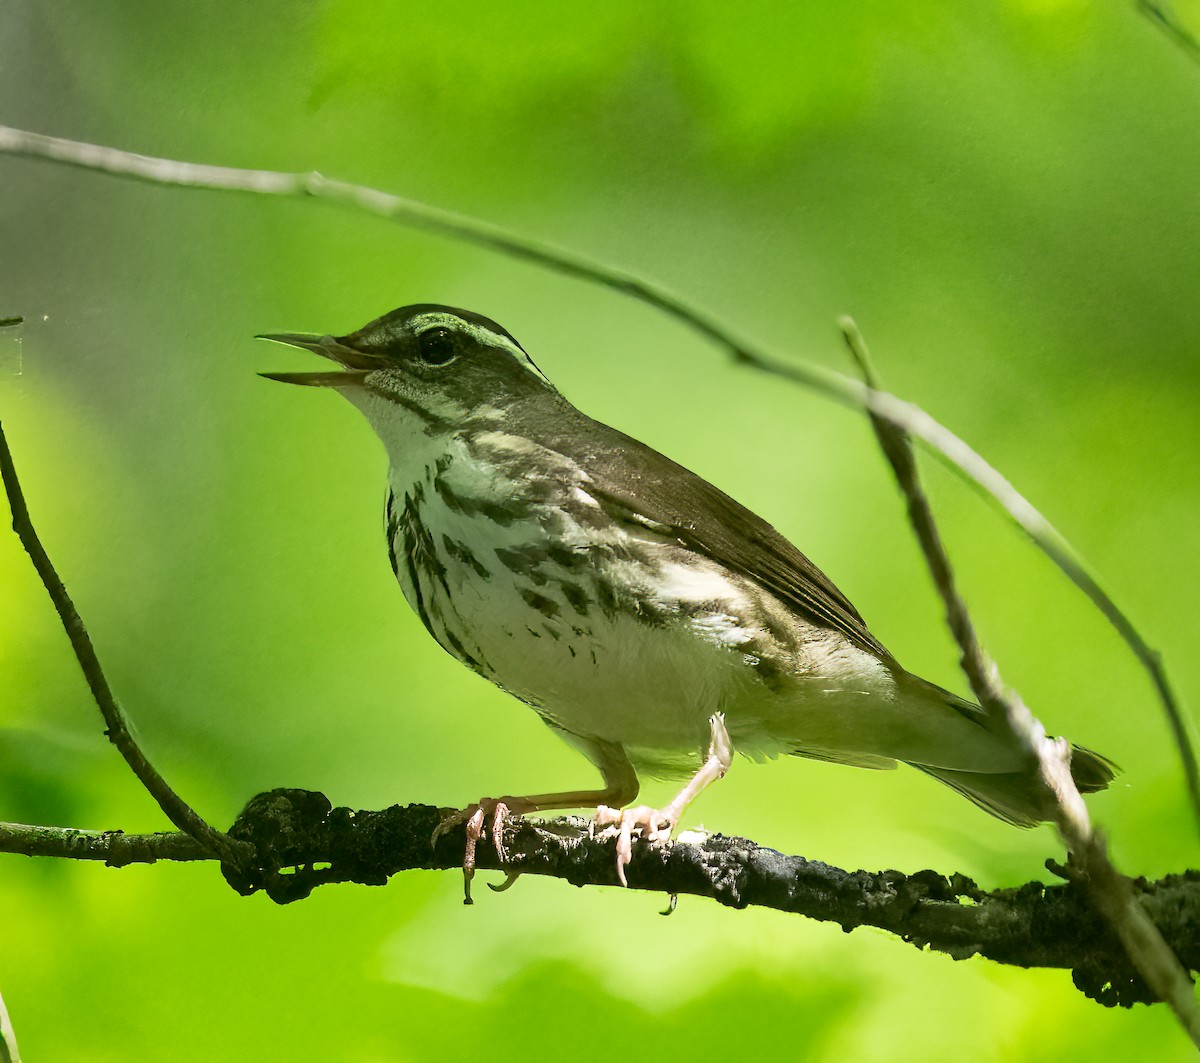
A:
[624,847]
[651,823]
[498,817]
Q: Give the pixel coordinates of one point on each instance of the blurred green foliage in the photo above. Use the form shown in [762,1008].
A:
[1003,193]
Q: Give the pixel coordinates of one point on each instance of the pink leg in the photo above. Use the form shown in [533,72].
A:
[620,787]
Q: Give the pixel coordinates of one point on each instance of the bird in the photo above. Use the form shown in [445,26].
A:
[648,618]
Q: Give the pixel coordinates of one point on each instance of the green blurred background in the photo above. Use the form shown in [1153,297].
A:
[1004,194]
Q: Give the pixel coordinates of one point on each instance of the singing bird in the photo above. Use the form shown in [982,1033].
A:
[648,618]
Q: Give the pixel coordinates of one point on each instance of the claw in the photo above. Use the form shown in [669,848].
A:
[474,817]
[506,884]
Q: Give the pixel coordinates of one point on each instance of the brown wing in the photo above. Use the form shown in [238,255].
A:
[636,483]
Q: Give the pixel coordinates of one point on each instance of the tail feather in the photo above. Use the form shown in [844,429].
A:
[1091,771]
[1018,797]
[1021,798]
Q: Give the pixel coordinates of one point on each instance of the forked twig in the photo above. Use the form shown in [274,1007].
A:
[849,392]
[1110,891]
[175,808]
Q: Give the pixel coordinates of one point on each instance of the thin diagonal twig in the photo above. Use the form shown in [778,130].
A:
[981,672]
[1110,891]
[1167,21]
[849,392]
[116,727]
[9,1052]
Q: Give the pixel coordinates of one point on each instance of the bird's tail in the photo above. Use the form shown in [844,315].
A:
[1021,798]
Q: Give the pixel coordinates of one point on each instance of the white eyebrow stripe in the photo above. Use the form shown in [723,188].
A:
[478,333]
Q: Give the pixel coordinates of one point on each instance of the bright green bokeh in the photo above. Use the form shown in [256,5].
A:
[1003,194]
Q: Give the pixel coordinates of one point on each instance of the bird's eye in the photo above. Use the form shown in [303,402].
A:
[437,346]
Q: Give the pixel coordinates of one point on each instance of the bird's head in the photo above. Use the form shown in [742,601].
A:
[424,367]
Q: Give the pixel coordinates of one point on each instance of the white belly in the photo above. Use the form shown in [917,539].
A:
[553,637]
[604,645]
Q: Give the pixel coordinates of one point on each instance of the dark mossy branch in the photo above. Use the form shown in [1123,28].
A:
[303,843]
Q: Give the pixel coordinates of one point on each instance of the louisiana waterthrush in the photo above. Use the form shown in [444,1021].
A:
[647,617]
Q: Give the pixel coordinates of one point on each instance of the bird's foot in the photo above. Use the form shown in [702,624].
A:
[657,824]
[486,815]
[652,824]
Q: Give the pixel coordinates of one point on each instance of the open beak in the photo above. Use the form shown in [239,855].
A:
[355,364]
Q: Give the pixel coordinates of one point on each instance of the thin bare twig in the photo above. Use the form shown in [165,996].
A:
[116,727]
[114,847]
[1167,21]
[9,1052]
[1111,892]
[845,390]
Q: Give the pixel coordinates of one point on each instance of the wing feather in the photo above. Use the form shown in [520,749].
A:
[635,483]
